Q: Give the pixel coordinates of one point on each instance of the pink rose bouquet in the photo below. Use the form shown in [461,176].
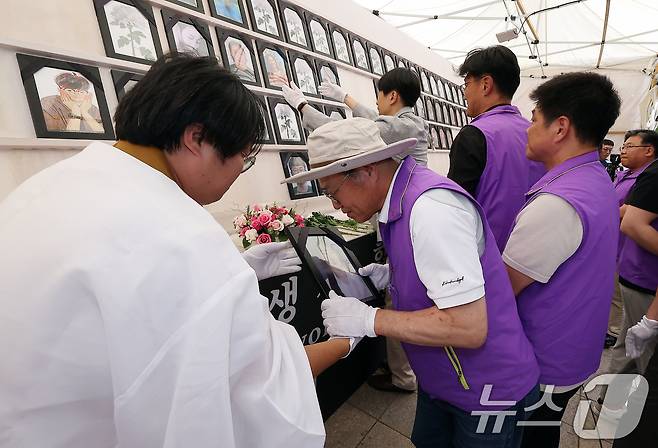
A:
[262,223]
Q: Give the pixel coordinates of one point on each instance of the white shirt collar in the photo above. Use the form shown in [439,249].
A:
[383,213]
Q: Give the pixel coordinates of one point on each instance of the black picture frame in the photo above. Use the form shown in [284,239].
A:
[226,38]
[313,25]
[359,49]
[172,19]
[434,88]
[446,113]
[425,82]
[266,63]
[121,80]
[443,138]
[269,138]
[291,34]
[135,38]
[221,15]
[434,137]
[322,67]
[420,108]
[429,109]
[342,53]
[442,87]
[198,7]
[325,280]
[464,117]
[289,161]
[280,109]
[388,59]
[309,83]
[438,110]
[330,110]
[376,59]
[58,112]
[401,62]
[270,27]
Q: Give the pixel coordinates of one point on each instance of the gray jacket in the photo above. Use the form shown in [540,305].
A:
[404,124]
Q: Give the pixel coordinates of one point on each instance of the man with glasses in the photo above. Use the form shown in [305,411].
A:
[127,315]
[487,158]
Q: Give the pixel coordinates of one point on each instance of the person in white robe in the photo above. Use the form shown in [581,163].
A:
[128,318]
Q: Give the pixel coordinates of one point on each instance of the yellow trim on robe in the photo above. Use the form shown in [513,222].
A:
[150,155]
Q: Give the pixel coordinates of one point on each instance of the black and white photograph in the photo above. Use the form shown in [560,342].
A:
[359,52]
[464,117]
[294,25]
[429,107]
[327,72]
[230,11]
[303,69]
[286,123]
[376,60]
[402,63]
[268,138]
[453,116]
[128,30]
[434,136]
[319,35]
[238,56]
[192,4]
[441,87]
[187,34]
[438,110]
[296,163]
[424,82]
[264,17]
[389,62]
[66,100]
[420,108]
[433,86]
[335,112]
[124,82]
[274,62]
[446,113]
[443,139]
[341,45]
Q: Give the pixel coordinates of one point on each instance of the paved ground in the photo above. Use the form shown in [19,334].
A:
[374,419]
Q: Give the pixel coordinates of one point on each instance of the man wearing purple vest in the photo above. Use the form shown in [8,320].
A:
[487,158]
[561,253]
[454,309]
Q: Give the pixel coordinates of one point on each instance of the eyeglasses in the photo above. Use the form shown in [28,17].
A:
[634,146]
[249,159]
[332,196]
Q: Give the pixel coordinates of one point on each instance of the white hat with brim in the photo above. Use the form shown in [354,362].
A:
[344,145]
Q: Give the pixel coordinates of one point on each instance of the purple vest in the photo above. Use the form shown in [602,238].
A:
[508,174]
[623,184]
[506,359]
[566,318]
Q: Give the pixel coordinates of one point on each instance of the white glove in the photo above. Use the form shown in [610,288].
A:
[379,274]
[272,259]
[348,316]
[333,91]
[353,343]
[639,335]
[293,95]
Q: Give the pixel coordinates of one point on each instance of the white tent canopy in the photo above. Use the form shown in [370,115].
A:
[569,38]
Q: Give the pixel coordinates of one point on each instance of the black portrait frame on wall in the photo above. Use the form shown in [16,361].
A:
[362,42]
[285,159]
[429,109]
[198,7]
[106,35]
[294,56]
[261,46]
[325,26]
[319,64]
[422,114]
[393,59]
[425,86]
[217,15]
[277,20]
[222,36]
[371,47]
[443,137]
[301,13]
[273,102]
[335,28]
[171,18]
[30,65]
[266,119]
[446,113]
[438,110]
[399,60]
[120,79]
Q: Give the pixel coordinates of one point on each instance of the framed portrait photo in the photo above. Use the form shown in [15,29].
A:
[359,52]
[433,87]
[124,82]
[389,62]
[192,4]
[443,138]
[420,108]
[265,18]
[453,116]
[231,11]
[376,60]
[319,34]
[286,123]
[441,88]
[128,30]
[293,163]
[187,34]
[294,25]
[66,100]
[341,43]
[335,112]
[303,72]
[424,82]
[464,117]
[327,72]
[438,110]
[274,63]
[434,137]
[268,138]
[446,113]
[238,56]
[401,63]
[429,107]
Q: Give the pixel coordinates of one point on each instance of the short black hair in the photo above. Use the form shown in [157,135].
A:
[497,61]
[402,80]
[589,100]
[647,136]
[180,90]
[607,142]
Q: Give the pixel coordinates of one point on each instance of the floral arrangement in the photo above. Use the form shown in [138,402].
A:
[263,223]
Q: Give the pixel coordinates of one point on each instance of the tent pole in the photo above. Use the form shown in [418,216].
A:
[605,30]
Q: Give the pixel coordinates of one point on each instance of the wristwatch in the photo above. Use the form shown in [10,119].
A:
[76,117]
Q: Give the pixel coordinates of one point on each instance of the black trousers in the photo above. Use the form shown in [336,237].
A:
[547,436]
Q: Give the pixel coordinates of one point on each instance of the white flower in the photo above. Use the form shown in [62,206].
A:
[287,220]
[239,222]
[276,225]
[266,212]
[251,235]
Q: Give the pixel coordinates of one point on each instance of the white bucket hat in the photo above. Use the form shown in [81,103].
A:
[344,145]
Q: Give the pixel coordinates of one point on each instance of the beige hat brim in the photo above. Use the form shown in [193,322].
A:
[357,161]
